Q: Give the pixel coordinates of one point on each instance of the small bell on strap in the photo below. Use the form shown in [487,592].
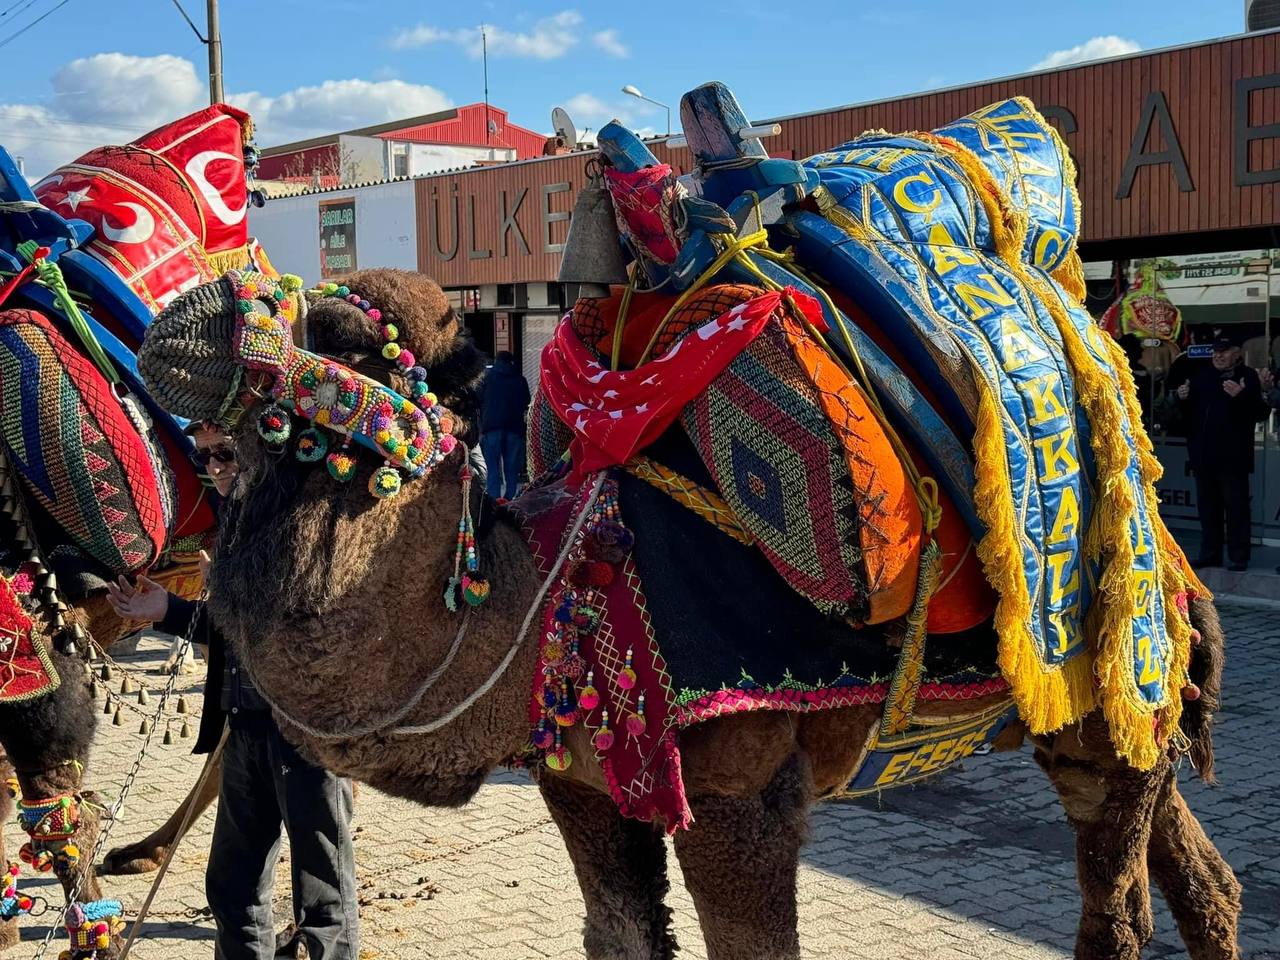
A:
[126,687]
[142,697]
[106,672]
[117,720]
[182,704]
[108,709]
[168,735]
[185,732]
[144,727]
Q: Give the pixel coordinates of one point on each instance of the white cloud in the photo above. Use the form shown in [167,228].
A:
[114,98]
[336,105]
[549,39]
[611,43]
[588,110]
[1095,48]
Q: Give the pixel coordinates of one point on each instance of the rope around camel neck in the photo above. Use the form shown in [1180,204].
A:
[469,701]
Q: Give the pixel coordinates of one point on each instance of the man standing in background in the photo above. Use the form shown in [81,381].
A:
[1221,403]
[502,425]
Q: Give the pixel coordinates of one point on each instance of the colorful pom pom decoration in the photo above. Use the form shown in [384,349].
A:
[274,425]
[341,466]
[312,446]
[385,483]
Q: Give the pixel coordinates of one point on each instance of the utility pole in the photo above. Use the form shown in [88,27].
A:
[215,54]
[484,52]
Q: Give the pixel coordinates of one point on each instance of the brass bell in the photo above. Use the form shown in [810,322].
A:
[117,720]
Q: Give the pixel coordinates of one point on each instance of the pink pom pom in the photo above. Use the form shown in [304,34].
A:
[373,313]
[353,298]
[447,443]
[405,359]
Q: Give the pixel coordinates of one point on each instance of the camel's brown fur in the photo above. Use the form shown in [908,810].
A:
[332,600]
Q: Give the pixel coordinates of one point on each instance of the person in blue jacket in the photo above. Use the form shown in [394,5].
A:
[504,405]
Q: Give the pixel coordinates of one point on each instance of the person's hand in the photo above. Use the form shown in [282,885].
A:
[1184,391]
[146,601]
[1233,388]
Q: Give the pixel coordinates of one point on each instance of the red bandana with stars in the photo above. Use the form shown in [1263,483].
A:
[26,672]
[614,414]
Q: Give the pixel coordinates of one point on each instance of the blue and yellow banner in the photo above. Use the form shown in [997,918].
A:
[979,221]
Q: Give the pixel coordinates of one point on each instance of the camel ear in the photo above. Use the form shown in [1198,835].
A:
[186,359]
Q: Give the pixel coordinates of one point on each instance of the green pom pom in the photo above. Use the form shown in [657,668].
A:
[384,483]
[391,351]
[343,291]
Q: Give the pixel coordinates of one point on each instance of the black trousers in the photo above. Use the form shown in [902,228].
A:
[265,784]
[1223,495]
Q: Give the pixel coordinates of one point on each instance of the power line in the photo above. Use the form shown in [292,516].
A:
[15,116]
[24,4]
[14,36]
[194,29]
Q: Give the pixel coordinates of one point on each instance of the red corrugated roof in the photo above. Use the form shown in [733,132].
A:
[469,128]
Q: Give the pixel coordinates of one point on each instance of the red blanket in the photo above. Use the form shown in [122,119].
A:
[614,414]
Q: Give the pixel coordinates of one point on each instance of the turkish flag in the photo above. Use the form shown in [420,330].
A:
[208,148]
[136,233]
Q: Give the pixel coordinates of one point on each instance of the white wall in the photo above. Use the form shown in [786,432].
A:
[427,158]
[386,229]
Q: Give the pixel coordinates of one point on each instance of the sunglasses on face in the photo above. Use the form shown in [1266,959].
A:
[221,454]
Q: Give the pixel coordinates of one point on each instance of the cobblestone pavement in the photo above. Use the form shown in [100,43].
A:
[978,863]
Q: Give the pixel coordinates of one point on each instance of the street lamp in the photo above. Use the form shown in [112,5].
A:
[631,91]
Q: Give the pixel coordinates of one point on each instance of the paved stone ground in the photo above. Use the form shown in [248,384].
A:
[978,863]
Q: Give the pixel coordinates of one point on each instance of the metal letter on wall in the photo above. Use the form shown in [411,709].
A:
[510,224]
[472,252]
[436,249]
[337,237]
[1155,107]
[1243,133]
[1066,126]
[548,218]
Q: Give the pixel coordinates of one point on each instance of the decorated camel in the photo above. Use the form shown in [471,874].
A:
[758,569]
[95,479]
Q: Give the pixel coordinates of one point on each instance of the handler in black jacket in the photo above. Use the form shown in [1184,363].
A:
[265,783]
[1221,403]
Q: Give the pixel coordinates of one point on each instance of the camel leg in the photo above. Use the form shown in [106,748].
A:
[739,861]
[622,869]
[146,855]
[8,928]
[1110,805]
[1202,893]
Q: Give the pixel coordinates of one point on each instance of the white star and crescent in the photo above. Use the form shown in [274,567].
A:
[141,230]
[196,170]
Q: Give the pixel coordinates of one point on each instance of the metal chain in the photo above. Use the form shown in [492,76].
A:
[109,821]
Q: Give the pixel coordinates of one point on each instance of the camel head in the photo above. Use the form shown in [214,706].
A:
[287,510]
[189,364]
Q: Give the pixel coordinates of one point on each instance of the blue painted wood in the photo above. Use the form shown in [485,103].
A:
[623,149]
[93,277]
[711,117]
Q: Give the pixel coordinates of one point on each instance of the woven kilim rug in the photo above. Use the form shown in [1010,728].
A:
[79,453]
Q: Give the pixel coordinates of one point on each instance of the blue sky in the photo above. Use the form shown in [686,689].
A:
[91,73]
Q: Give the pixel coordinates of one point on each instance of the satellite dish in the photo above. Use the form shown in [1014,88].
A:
[564,127]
